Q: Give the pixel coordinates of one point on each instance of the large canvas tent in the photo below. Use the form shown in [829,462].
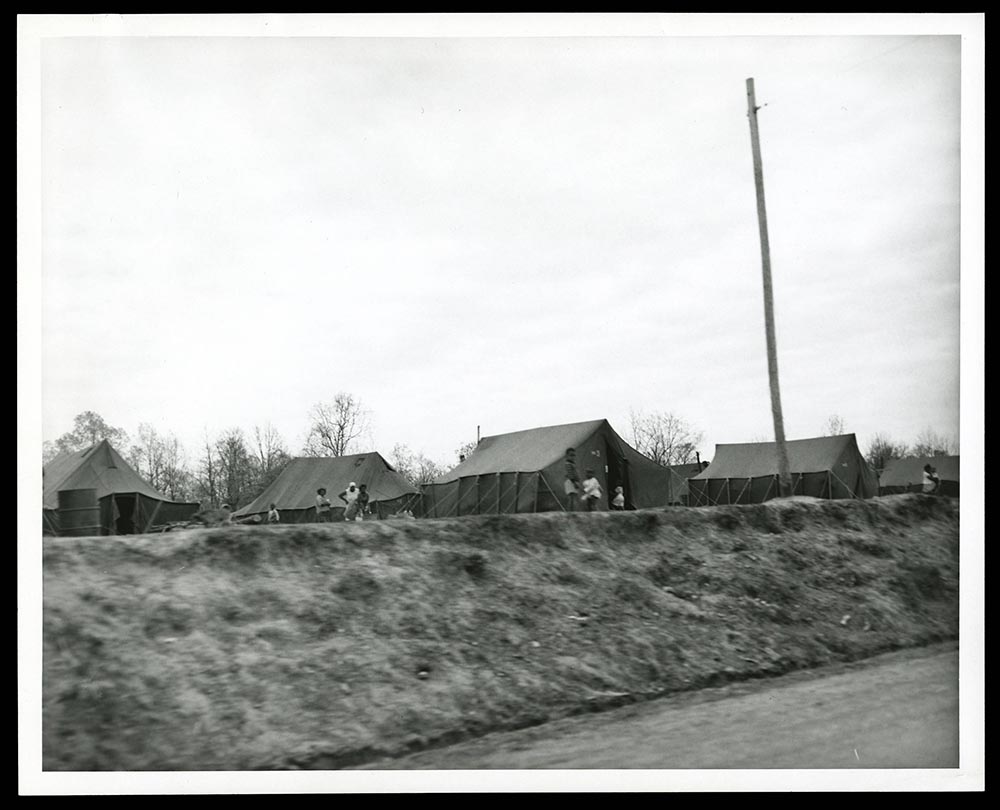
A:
[524,472]
[127,503]
[294,490]
[907,475]
[823,467]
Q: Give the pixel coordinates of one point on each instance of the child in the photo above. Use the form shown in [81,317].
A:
[618,502]
[591,491]
[272,514]
[322,506]
[931,480]
[363,499]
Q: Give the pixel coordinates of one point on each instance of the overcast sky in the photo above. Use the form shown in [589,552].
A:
[501,232]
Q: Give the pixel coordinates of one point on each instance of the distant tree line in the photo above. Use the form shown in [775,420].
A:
[882,448]
[234,467]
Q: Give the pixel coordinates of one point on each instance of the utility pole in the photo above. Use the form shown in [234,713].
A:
[784,475]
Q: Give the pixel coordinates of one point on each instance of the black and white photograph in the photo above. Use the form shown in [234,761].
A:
[500,403]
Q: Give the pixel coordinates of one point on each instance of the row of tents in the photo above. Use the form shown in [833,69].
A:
[513,472]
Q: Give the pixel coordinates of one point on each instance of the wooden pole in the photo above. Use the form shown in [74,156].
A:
[784,476]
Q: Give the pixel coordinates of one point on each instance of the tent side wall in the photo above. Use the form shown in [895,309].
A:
[947,488]
[136,513]
[488,494]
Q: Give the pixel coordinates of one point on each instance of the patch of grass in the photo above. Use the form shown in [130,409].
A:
[763,519]
[357,584]
[866,545]
[451,562]
[728,519]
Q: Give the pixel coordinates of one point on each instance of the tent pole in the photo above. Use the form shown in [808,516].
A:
[556,497]
[740,494]
[842,481]
[770,485]
[152,517]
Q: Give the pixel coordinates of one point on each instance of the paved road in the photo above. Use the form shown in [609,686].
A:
[895,711]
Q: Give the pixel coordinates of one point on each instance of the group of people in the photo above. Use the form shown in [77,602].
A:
[355,498]
[589,490]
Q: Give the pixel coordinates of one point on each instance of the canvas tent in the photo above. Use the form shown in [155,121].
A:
[907,475]
[294,490]
[128,504]
[524,472]
[823,467]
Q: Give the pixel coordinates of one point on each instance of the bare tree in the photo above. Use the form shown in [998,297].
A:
[930,443]
[161,461]
[235,465]
[835,426]
[270,456]
[882,449]
[664,437]
[414,467]
[49,452]
[207,479]
[466,450]
[337,427]
[89,428]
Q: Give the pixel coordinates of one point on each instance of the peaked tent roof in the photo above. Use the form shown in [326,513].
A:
[99,467]
[758,459]
[533,461]
[525,450]
[901,472]
[296,485]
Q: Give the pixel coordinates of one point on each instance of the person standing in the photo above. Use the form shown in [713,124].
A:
[350,497]
[323,506]
[572,482]
[591,491]
[272,514]
[931,480]
[618,502]
[363,499]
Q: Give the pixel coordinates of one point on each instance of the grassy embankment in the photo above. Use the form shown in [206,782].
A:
[325,646]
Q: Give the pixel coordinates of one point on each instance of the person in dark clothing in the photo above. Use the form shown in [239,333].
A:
[363,498]
[571,486]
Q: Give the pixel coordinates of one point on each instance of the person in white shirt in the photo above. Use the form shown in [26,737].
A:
[591,491]
[618,502]
[931,480]
[272,514]
[350,497]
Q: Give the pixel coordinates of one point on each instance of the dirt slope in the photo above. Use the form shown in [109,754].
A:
[326,646]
